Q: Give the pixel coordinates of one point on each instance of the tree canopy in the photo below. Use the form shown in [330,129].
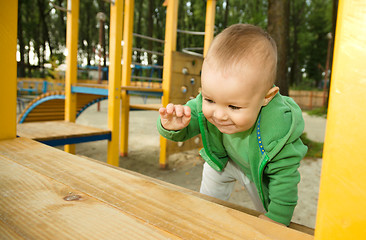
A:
[42,32]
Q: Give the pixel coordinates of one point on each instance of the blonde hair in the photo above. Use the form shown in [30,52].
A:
[240,43]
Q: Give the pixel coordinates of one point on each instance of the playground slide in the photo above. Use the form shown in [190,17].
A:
[51,106]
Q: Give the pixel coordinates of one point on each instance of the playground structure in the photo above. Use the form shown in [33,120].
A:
[341,214]
[51,106]
[37,86]
[181,82]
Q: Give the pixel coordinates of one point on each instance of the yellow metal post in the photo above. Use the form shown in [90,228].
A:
[8,68]
[169,46]
[72,31]
[126,74]
[342,196]
[209,24]
[114,87]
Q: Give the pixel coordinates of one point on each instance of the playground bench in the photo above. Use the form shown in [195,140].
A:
[57,133]
[48,192]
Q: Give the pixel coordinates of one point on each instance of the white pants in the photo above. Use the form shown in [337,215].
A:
[221,184]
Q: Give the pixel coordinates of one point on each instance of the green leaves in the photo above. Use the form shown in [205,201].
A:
[42,30]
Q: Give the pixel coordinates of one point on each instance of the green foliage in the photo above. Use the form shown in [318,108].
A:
[305,84]
[52,73]
[319,25]
[43,29]
[310,23]
[320,112]
[88,31]
[229,12]
[315,149]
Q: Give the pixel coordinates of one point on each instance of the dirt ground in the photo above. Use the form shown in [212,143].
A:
[185,168]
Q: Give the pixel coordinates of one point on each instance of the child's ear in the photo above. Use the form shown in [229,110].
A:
[270,94]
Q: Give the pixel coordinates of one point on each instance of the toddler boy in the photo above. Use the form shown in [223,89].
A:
[250,132]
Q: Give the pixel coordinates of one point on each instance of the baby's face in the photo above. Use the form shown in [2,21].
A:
[232,101]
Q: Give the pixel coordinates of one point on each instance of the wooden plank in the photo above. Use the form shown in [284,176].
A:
[38,207]
[178,213]
[154,107]
[141,89]
[243,209]
[193,64]
[36,113]
[182,90]
[146,84]
[47,110]
[7,233]
[51,130]
[93,85]
[45,118]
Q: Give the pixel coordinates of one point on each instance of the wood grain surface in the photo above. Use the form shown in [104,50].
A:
[108,203]
[50,130]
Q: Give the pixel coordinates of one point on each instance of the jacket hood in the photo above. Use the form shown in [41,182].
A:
[282,119]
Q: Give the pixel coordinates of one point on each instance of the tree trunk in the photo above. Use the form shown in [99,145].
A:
[295,70]
[44,35]
[104,47]
[27,62]
[89,47]
[62,22]
[334,23]
[297,19]
[182,18]
[21,66]
[278,28]
[226,16]
[150,28]
[138,40]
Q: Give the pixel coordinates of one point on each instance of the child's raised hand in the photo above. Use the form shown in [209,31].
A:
[175,117]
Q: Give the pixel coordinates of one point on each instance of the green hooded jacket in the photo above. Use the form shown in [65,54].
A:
[275,151]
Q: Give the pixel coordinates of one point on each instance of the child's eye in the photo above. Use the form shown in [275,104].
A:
[234,107]
[209,100]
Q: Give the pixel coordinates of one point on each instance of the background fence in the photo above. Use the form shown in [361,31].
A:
[308,100]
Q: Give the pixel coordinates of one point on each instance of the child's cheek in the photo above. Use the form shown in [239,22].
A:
[206,110]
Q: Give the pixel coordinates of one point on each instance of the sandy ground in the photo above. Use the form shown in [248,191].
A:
[185,168]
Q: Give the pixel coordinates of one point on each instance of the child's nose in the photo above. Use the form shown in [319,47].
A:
[220,114]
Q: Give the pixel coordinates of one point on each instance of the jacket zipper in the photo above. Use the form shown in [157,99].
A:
[261,170]
[263,162]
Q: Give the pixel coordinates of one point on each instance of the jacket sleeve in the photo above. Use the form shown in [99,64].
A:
[186,133]
[283,177]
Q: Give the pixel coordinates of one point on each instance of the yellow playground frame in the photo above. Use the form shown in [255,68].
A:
[119,85]
[341,211]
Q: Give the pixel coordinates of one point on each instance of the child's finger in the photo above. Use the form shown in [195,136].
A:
[179,110]
[170,108]
[162,111]
[187,111]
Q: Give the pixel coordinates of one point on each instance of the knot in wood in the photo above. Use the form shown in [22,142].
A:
[72,197]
